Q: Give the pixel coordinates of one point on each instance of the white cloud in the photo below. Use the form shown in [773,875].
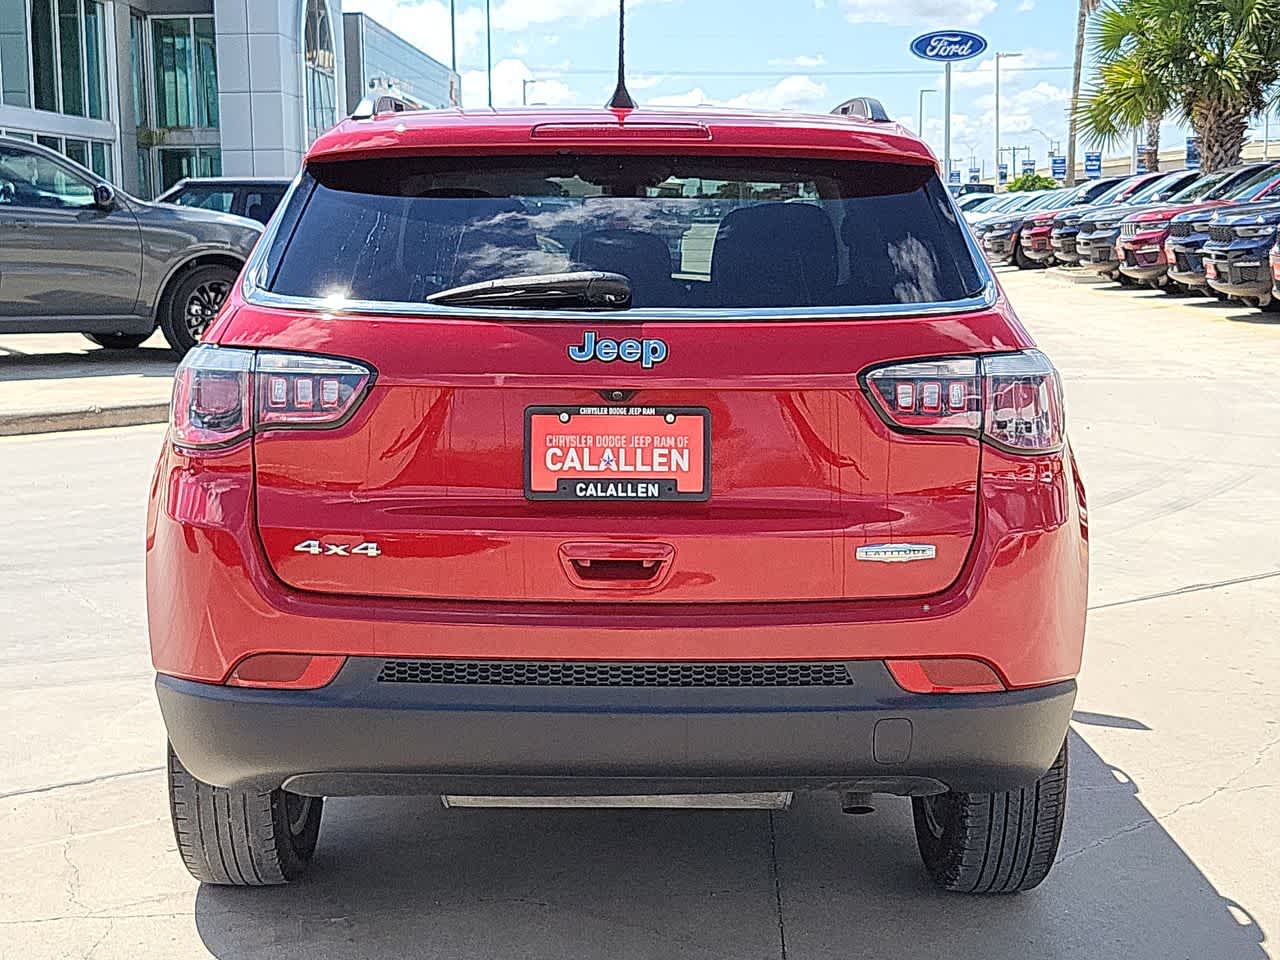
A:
[1013,71]
[961,13]
[802,62]
[791,93]
[521,14]
[1026,6]
[426,24]
[690,98]
[508,77]
[642,81]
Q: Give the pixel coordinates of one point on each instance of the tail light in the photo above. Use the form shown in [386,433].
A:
[1011,400]
[222,394]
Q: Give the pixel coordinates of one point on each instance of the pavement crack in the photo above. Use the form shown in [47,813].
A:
[48,787]
[777,885]
[1226,786]
[1191,588]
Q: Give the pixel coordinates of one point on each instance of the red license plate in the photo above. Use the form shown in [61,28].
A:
[1210,271]
[617,453]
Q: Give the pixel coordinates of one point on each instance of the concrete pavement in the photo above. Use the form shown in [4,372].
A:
[1170,848]
[65,382]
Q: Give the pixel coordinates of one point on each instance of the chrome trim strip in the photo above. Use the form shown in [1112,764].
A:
[253,290]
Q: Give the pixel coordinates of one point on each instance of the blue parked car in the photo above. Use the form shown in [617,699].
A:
[1236,255]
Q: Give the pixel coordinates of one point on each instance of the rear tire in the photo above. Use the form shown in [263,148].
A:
[118,341]
[993,842]
[1125,280]
[242,838]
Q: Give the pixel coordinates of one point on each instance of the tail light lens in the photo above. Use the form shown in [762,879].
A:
[211,400]
[296,390]
[1011,400]
[222,394]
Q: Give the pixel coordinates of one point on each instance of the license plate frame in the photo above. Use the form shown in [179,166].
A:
[620,486]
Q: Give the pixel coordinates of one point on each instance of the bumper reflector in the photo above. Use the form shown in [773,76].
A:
[285,671]
[679,801]
[944,675]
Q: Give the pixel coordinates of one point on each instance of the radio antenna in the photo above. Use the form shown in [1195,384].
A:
[621,99]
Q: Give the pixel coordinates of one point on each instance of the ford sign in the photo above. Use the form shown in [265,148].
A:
[948,45]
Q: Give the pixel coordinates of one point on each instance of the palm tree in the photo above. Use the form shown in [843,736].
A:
[1213,61]
[1128,91]
[1084,9]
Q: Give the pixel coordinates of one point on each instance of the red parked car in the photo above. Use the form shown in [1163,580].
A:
[635,455]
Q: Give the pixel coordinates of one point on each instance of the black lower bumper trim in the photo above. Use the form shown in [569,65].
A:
[360,737]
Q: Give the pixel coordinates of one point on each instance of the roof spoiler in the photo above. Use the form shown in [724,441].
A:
[863,108]
[370,107]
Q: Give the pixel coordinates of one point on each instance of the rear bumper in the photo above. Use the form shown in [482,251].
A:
[359,736]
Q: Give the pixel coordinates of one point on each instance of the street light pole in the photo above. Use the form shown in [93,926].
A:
[999,57]
[920,126]
[488,50]
[453,37]
[524,91]
[946,124]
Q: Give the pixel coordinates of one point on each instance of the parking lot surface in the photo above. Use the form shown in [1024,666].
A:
[1171,842]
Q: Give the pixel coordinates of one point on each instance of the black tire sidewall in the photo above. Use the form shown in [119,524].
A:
[117,341]
[173,319]
[295,852]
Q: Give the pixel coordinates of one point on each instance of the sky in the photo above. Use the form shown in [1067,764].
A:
[786,55]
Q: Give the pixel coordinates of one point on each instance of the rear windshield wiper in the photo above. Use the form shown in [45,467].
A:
[586,289]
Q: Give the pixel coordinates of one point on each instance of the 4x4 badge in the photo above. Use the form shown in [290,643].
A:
[645,352]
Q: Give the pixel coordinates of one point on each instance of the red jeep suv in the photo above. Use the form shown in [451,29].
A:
[617,457]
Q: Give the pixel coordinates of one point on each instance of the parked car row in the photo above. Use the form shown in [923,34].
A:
[1212,233]
[78,255]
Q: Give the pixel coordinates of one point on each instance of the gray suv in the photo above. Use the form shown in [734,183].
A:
[79,256]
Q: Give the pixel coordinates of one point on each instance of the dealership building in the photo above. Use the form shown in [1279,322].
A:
[146,92]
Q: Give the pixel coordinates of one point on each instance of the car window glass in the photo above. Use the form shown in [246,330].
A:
[206,198]
[260,204]
[1204,188]
[687,231]
[32,180]
[1248,187]
[1155,189]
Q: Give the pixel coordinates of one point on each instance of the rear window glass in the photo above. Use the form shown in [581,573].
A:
[687,232]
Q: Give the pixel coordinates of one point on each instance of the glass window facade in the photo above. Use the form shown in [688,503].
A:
[184,66]
[179,162]
[53,56]
[138,67]
[173,64]
[95,66]
[71,57]
[321,70]
[206,83]
[44,57]
[15,81]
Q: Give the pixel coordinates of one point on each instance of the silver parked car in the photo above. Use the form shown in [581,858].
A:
[77,255]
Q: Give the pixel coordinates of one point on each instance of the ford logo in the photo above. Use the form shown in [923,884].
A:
[948,45]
